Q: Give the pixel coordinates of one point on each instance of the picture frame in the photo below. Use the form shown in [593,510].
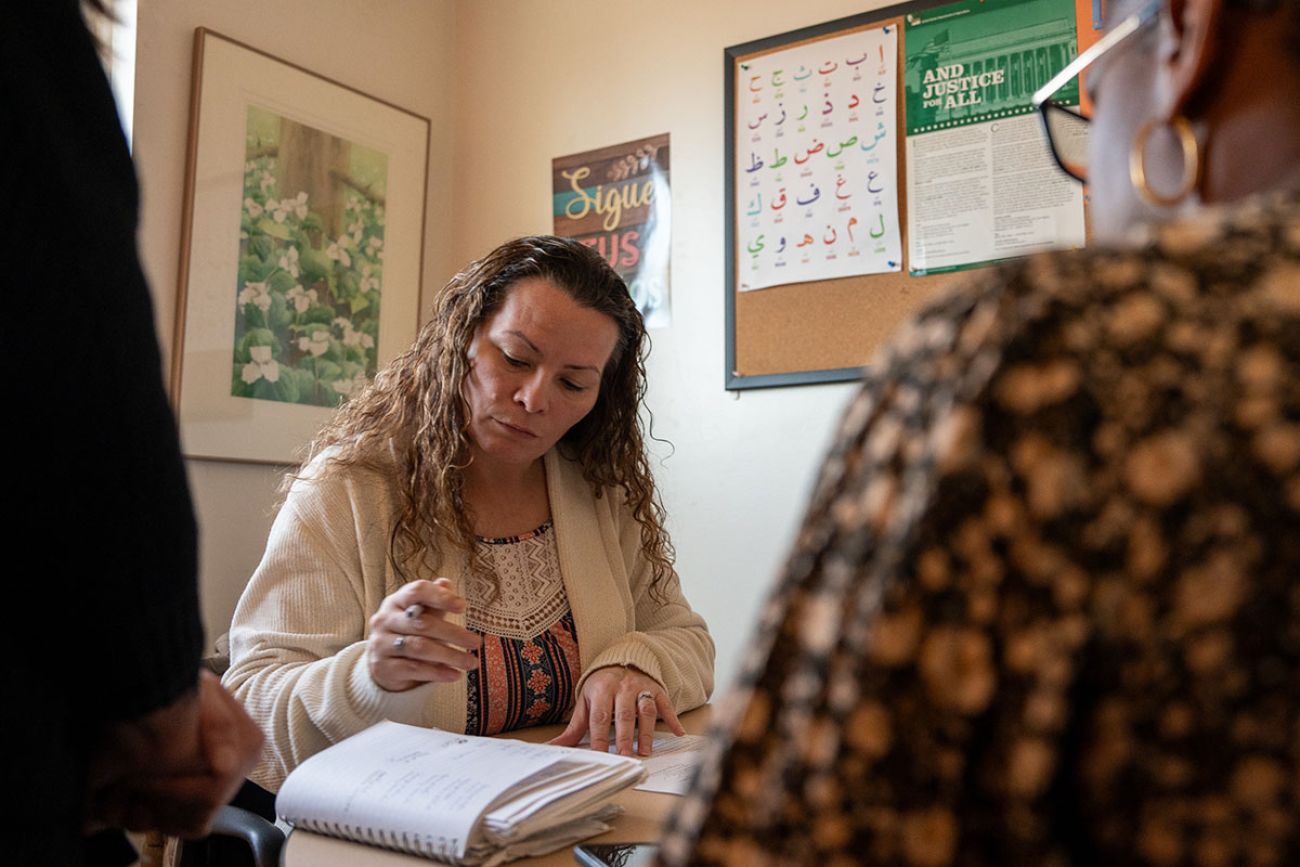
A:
[302,248]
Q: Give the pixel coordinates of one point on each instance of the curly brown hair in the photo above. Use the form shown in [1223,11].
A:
[412,422]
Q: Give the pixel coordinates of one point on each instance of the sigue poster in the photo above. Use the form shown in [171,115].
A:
[617,200]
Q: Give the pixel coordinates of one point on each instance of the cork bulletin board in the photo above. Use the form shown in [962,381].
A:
[809,331]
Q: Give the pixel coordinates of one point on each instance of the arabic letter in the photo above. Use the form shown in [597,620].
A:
[805,112]
[754,162]
[830,238]
[850,143]
[754,80]
[756,246]
[877,91]
[816,194]
[853,103]
[806,72]
[877,234]
[781,249]
[807,239]
[859,60]
[776,77]
[828,67]
[817,148]
[777,159]
[756,205]
[829,108]
[853,221]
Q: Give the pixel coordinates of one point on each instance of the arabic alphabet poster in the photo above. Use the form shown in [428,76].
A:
[616,199]
[981,181]
[816,161]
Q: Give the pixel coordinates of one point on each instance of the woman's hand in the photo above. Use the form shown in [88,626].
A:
[412,643]
[633,701]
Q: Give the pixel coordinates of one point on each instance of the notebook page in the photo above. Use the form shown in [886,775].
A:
[407,787]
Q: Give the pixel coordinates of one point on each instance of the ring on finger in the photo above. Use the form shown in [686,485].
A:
[643,695]
[399,643]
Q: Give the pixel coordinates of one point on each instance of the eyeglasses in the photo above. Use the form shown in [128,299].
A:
[1066,127]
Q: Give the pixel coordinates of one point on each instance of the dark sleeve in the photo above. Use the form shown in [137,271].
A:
[109,606]
[1042,609]
[876,723]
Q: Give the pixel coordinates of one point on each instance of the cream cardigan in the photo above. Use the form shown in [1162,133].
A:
[298,639]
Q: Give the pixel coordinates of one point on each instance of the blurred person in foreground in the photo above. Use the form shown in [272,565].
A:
[107,723]
[1044,608]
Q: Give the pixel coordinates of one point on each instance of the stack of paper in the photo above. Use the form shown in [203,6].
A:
[456,798]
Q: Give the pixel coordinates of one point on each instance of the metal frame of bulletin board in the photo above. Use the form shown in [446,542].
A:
[826,328]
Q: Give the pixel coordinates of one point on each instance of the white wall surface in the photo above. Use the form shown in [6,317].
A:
[511,84]
[401,51]
[547,78]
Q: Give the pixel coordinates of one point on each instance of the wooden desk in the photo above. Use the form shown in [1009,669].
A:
[644,813]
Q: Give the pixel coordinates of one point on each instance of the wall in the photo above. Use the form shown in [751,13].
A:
[397,50]
[544,79]
[525,82]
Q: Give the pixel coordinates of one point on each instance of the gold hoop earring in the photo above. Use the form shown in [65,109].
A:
[1137,157]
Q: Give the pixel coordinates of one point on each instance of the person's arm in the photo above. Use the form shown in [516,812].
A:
[914,682]
[671,642]
[125,734]
[298,641]
[662,667]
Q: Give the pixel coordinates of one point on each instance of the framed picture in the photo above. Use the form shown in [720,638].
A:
[301,250]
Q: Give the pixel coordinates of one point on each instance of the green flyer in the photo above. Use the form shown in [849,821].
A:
[981,182]
[973,61]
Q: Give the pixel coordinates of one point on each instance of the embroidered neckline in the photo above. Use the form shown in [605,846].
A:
[511,540]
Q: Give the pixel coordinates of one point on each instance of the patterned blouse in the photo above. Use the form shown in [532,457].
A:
[529,657]
[1045,605]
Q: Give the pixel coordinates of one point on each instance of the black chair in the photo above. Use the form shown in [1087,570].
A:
[244,834]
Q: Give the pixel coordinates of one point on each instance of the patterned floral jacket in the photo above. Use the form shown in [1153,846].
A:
[1045,606]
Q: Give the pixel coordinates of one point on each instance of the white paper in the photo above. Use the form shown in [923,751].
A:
[671,763]
[987,191]
[816,161]
[671,766]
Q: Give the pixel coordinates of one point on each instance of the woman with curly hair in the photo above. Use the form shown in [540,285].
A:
[474,543]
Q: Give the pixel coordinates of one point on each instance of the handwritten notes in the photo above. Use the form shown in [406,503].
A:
[816,161]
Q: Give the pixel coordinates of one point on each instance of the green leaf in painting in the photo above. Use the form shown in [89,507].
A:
[282,281]
[274,229]
[318,315]
[327,371]
[259,244]
[315,265]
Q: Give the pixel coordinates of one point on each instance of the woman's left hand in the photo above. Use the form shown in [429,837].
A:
[633,701]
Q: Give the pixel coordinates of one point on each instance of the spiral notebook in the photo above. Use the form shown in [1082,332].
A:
[455,798]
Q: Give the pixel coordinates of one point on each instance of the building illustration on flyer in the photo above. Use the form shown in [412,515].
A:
[617,200]
[816,178]
[981,183]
